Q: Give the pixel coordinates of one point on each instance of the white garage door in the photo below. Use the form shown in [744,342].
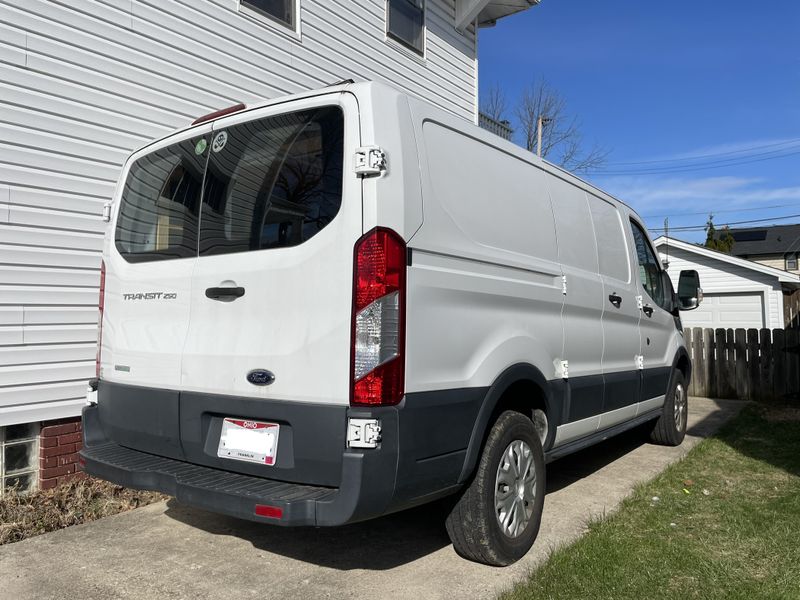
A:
[728,311]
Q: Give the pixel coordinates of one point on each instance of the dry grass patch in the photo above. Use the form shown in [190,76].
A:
[78,501]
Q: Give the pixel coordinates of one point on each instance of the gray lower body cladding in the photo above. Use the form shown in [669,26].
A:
[167,441]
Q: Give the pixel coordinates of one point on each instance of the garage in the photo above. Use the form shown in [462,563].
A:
[737,293]
[734,310]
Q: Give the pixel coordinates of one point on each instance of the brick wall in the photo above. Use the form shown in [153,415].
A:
[59,443]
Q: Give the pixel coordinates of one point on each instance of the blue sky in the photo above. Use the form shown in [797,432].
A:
[655,81]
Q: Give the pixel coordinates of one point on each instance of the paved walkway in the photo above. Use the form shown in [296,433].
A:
[169,551]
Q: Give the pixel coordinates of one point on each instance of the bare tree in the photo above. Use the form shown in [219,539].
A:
[562,141]
[494,103]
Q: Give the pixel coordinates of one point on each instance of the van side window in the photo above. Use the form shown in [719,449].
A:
[612,248]
[272,183]
[158,212]
[649,267]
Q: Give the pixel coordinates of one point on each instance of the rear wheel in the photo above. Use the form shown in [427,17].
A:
[497,517]
[670,428]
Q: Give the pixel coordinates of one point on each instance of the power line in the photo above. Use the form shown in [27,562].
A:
[668,170]
[702,227]
[717,211]
[713,155]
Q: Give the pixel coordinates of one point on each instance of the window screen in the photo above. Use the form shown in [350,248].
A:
[406,22]
[273,183]
[612,249]
[279,10]
[649,267]
[158,214]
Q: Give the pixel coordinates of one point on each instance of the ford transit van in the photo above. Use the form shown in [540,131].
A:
[336,305]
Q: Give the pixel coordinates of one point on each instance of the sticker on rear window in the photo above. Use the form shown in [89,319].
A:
[201,146]
[219,141]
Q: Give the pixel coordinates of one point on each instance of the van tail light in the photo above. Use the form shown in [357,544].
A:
[100,306]
[378,328]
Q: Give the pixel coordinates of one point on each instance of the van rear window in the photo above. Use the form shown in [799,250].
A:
[270,183]
[158,216]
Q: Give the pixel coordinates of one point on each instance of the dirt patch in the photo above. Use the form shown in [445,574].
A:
[72,503]
[781,414]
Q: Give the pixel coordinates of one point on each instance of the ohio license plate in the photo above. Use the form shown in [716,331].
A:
[251,441]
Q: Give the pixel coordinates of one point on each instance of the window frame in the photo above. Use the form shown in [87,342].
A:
[263,18]
[667,292]
[790,257]
[33,466]
[400,44]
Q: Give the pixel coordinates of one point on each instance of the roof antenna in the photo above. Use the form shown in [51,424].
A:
[666,235]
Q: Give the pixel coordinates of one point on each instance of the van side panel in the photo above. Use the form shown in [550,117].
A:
[484,285]
[583,303]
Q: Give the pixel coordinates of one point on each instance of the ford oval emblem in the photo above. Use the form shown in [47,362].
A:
[261,377]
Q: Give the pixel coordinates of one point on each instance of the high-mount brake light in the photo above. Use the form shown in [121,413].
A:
[100,306]
[378,321]
[219,113]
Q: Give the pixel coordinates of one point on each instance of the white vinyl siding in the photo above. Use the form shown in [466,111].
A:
[739,297]
[82,84]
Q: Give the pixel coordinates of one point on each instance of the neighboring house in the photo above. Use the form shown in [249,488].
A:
[776,246]
[83,83]
[737,292]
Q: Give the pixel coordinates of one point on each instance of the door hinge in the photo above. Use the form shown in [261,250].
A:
[639,302]
[564,284]
[107,212]
[640,362]
[363,433]
[565,369]
[370,160]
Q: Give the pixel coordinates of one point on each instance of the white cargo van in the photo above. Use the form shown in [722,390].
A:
[340,304]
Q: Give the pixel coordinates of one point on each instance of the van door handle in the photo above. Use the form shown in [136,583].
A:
[224,293]
[648,310]
[615,299]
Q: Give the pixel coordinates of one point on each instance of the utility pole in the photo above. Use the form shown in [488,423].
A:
[540,123]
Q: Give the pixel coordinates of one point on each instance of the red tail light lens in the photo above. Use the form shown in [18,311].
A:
[378,328]
[100,306]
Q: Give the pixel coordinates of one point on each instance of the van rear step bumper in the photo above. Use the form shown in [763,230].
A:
[233,494]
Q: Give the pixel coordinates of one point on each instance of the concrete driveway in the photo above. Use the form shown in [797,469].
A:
[169,551]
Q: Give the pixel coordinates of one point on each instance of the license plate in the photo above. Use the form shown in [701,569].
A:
[251,441]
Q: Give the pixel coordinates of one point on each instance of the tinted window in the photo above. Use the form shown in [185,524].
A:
[272,183]
[158,214]
[649,267]
[406,22]
[279,10]
[612,250]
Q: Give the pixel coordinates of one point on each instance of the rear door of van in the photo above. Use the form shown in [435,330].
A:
[272,291]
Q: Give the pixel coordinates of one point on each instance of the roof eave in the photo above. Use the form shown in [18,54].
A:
[782,276]
[487,12]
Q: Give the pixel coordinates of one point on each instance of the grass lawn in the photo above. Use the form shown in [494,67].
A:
[722,523]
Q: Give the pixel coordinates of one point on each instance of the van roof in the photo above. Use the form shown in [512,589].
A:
[364,88]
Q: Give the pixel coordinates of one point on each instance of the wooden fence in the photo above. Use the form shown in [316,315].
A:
[748,364]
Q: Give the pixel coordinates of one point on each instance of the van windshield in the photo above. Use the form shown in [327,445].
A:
[270,183]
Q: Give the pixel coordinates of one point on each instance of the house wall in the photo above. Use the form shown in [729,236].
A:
[776,261]
[84,83]
[718,277]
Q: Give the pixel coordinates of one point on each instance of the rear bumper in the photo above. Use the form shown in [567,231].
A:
[167,441]
[238,494]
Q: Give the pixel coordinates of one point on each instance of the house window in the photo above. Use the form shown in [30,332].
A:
[19,457]
[282,11]
[405,23]
[791,262]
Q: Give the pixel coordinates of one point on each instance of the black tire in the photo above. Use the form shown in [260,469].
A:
[670,428]
[473,523]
